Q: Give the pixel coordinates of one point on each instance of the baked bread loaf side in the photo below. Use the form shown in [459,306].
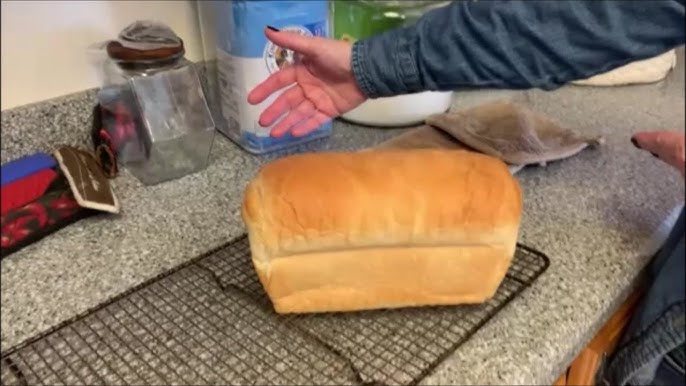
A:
[381,229]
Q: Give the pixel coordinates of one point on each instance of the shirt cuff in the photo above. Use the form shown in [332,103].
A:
[385,65]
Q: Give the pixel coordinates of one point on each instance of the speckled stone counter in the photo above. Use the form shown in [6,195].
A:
[592,214]
[159,228]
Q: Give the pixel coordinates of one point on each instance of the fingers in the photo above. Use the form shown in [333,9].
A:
[275,82]
[287,101]
[310,124]
[665,145]
[299,44]
[302,112]
[292,41]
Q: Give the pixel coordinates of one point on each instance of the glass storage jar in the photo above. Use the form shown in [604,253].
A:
[156,115]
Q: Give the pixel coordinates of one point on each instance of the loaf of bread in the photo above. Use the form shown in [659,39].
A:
[378,229]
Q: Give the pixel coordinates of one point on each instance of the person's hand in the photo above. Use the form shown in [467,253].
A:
[322,85]
[665,145]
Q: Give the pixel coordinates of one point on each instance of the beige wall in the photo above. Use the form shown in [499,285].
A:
[44,42]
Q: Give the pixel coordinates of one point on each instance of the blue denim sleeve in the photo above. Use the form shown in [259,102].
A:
[515,44]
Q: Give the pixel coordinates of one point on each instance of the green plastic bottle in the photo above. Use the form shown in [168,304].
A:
[361,19]
[355,20]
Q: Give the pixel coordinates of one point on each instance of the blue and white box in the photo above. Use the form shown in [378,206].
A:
[245,58]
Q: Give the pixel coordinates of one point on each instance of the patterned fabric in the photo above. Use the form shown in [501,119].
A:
[25,166]
[102,144]
[35,220]
[117,125]
[20,192]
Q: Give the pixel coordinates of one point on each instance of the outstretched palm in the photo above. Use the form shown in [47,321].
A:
[321,85]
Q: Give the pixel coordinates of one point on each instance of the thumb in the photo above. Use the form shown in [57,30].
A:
[292,41]
[665,145]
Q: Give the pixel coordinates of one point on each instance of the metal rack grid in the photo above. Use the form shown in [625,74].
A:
[210,322]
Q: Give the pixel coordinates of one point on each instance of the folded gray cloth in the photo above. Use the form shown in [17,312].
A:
[508,131]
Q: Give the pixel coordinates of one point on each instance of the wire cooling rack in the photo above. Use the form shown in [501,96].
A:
[209,322]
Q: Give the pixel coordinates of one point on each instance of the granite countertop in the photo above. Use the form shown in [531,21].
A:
[592,214]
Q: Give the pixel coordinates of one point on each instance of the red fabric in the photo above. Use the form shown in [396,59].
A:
[33,220]
[23,191]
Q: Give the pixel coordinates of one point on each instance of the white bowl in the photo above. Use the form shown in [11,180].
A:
[401,110]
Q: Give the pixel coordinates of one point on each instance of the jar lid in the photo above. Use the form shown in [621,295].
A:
[120,53]
[145,41]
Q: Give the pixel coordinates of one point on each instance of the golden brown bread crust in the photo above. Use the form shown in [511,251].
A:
[381,229]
